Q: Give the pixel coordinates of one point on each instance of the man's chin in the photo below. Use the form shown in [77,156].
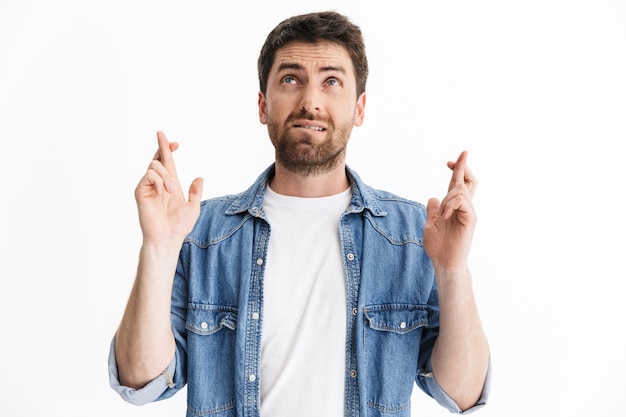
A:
[309,166]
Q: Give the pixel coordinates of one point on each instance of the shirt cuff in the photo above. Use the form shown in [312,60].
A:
[433,388]
[150,392]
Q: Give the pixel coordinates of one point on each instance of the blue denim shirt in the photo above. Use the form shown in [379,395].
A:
[392,310]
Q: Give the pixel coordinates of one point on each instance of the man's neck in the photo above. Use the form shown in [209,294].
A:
[288,183]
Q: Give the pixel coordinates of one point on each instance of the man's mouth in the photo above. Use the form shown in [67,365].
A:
[318,128]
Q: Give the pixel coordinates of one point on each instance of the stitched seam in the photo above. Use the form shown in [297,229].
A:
[221,409]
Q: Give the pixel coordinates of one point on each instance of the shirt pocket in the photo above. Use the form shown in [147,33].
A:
[205,319]
[211,356]
[391,348]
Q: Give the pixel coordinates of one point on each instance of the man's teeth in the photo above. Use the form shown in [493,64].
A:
[313,128]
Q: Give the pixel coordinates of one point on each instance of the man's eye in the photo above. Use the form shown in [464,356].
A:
[333,81]
[289,80]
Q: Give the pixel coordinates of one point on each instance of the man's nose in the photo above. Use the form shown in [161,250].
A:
[311,99]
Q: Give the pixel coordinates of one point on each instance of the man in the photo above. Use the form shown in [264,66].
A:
[310,293]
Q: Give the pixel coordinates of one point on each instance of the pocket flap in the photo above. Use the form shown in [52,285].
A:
[397,318]
[205,319]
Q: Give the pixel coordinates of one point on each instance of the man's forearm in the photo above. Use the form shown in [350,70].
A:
[461,354]
[144,343]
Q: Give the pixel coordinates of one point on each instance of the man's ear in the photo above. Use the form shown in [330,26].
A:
[262,108]
[359,112]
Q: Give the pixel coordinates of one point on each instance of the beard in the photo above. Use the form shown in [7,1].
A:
[302,153]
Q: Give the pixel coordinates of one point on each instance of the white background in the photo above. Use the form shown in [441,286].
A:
[534,90]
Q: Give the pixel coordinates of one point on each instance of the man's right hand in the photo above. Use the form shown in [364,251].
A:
[144,343]
[165,215]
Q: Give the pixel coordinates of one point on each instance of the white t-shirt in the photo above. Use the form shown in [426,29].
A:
[304,317]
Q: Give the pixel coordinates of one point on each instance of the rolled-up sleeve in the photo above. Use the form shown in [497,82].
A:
[428,383]
[150,392]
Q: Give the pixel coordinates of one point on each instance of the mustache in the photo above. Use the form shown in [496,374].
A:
[304,114]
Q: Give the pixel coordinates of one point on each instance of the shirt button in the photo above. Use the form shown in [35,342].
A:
[259,261]
[252,378]
[353,373]
[354,311]
[403,325]
[351,257]
[204,325]
[255,316]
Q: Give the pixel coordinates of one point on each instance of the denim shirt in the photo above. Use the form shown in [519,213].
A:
[392,310]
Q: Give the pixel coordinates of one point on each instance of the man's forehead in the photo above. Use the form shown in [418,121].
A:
[323,54]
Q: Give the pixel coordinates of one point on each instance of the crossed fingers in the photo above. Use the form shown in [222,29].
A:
[461,174]
[164,153]
[461,189]
[161,173]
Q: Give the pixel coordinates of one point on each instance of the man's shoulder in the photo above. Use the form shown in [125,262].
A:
[397,210]
[399,219]
[385,196]
[384,200]
[217,219]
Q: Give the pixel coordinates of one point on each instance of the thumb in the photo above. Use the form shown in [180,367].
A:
[195,191]
[432,208]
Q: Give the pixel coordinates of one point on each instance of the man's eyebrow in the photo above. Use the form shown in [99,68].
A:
[296,66]
[333,68]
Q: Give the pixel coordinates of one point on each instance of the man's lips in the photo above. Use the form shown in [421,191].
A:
[310,126]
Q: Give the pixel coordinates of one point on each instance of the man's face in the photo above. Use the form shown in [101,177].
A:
[310,106]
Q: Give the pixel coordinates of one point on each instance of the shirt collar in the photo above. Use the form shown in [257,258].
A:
[251,200]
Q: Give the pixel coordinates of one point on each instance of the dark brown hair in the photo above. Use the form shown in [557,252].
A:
[316,27]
